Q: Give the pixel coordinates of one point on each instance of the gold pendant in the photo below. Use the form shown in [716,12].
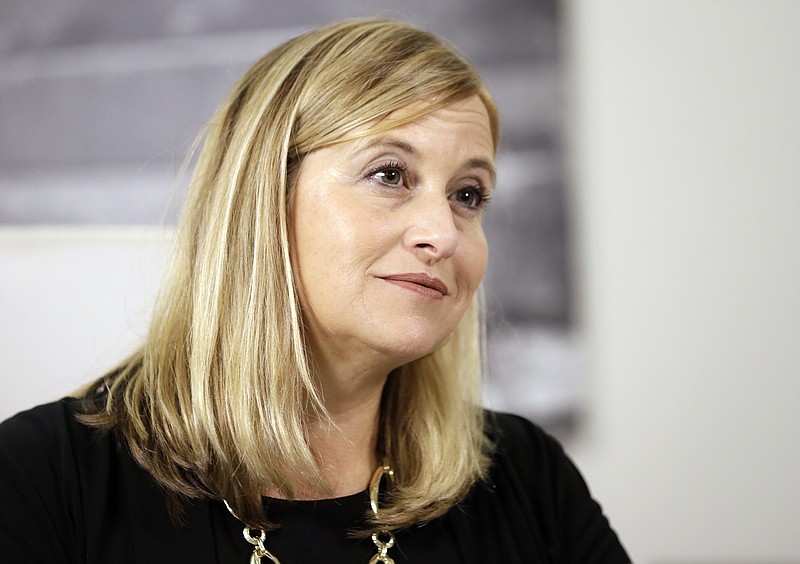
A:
[384,540]
[259,550]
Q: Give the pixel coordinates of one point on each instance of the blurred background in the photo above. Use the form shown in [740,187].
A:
[655,145]
[102,99]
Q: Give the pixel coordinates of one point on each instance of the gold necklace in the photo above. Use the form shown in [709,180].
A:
[383,539]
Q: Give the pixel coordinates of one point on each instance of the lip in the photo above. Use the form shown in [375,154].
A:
[419,282]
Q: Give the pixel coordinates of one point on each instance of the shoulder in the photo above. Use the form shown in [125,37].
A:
[50,438]
[48,462]
[72,493]
[531,466]
[38,478]
[535,492]
[48,433]
[523,447]
[512,431]
[51,418]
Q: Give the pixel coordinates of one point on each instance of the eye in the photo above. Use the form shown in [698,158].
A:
[390,174]
[473,197]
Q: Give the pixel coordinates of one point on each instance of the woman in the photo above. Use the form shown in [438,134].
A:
[318,334]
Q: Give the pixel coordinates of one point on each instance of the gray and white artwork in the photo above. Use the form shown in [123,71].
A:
[100,102]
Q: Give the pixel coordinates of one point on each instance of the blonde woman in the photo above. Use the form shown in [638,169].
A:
[309,388]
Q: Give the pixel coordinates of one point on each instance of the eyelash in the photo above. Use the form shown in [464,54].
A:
[481,192]
[383,168]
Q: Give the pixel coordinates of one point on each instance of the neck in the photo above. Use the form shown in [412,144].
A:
[346,445]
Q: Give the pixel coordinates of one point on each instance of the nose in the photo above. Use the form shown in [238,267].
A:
[431,234]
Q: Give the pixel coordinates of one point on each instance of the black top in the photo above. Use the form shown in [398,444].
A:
[70,494]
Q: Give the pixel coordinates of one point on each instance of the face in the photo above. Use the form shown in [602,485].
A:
[387,243]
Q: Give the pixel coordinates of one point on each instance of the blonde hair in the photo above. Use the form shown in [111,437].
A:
[215,402]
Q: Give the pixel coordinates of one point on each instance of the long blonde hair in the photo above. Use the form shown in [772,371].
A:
[215,402]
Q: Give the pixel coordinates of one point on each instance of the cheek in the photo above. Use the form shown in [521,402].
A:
[475,257]
[307,244]
[329,242]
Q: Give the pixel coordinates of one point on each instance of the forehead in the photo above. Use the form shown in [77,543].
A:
[467,120]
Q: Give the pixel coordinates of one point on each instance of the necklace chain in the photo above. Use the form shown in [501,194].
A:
[383,539]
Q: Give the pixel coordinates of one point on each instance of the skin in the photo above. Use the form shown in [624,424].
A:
[388,204]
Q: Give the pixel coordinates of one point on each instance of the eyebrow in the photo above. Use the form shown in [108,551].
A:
[406,147]
[486,165]
[393,142]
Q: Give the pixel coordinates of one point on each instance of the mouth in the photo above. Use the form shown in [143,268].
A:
[419,282]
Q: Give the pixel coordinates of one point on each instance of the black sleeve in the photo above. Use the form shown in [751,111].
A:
[70,494]
[588,535]
[534,507]
[40,511]
[570,521]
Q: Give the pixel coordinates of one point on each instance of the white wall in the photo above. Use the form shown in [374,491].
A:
[72,302]
[685,139]
[686,172]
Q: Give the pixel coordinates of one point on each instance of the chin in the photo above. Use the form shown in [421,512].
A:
[413,349]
